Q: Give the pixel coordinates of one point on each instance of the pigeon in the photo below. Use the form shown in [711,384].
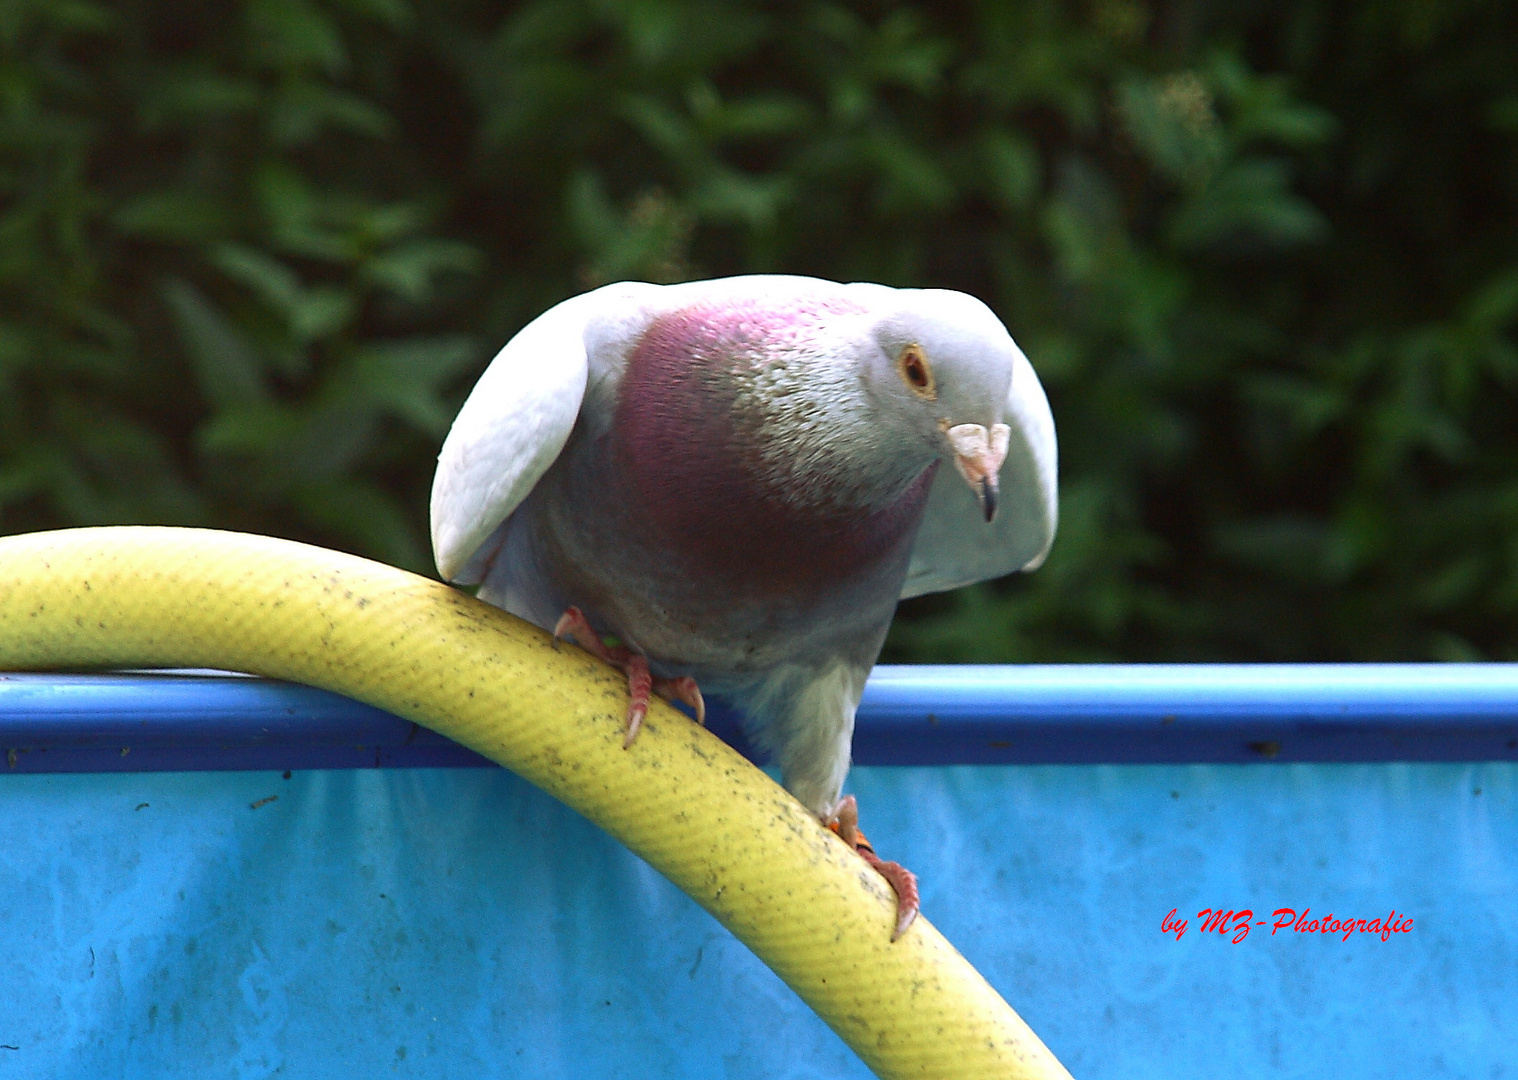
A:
[725,486]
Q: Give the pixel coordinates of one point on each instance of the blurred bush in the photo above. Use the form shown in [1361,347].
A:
[1263,256]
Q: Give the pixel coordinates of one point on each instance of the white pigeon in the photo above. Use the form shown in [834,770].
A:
[738,479]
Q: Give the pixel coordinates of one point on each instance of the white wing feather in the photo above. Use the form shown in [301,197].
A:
[517,420]
[955,546]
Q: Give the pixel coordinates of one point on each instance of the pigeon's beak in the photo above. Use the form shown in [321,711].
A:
[978,455]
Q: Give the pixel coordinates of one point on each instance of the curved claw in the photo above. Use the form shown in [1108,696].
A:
[683,689]
[640,681]
[904,883]
[844,820]
[576,627]
[635,715]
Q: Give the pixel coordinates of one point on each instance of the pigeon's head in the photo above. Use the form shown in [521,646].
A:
[941,367]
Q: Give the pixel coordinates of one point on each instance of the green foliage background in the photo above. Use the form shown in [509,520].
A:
[1263,255]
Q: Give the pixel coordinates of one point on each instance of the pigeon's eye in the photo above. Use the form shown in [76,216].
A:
[916,373]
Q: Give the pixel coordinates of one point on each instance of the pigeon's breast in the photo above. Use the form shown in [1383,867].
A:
[724,496]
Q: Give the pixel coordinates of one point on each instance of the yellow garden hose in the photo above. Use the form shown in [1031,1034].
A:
[689,805]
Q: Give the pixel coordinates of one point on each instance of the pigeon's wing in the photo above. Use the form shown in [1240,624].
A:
[517,420]
[955,545]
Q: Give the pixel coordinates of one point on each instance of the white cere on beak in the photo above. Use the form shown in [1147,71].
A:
[978,455]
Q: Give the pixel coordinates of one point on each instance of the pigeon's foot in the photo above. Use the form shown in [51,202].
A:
[845,822]
[640,681]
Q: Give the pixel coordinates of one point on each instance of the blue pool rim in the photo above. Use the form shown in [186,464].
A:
[910,715]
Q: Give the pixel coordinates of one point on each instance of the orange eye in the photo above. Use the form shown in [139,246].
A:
[916,373]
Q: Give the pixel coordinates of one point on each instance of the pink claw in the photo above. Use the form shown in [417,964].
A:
[904,883]
[640,681]
[683,689]
[845,822]
[576,627]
